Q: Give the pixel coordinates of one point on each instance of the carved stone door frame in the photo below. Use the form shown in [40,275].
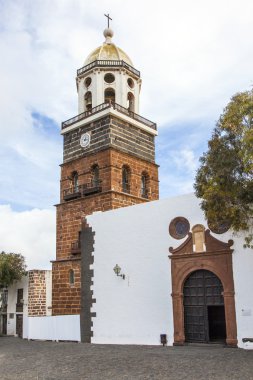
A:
[216,258]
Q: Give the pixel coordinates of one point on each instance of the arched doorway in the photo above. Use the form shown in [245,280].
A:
[204,311]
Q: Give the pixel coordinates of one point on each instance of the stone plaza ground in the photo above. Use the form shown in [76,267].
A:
[37,360]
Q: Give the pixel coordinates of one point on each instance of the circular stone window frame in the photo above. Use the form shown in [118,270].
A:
[173,227]
[111,76]
[130,83]
[220,228]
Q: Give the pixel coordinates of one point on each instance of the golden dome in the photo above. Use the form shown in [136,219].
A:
[108,51]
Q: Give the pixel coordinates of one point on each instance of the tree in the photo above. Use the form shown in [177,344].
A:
[224,180]
[12,267]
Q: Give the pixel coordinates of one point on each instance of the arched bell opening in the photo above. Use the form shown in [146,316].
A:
[109,95]
[130,102]
[88,101]
[204,310]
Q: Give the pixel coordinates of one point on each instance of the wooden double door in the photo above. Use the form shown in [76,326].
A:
[204,312]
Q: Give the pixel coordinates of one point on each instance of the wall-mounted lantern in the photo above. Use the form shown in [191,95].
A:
[117,271]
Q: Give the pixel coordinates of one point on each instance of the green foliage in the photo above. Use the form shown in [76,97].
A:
[224,180]
[12,267]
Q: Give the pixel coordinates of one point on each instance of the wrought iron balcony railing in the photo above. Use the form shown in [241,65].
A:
[72,193]
[82,190]
[92,187]
[104,106]
[108,63]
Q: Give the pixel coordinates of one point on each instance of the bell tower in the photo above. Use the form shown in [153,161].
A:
[108,160]
[97,85]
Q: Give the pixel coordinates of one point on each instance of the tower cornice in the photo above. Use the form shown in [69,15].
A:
[107,109]
[103,63]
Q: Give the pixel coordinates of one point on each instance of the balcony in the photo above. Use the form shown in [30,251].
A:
[92,188]
[108,63]
[104,106]
[82,190]
[76,247]
[72,193]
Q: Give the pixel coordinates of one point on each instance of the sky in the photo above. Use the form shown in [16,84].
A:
[193,56]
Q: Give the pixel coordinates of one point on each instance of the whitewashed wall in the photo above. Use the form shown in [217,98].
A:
[62,327]
[12,300]
[138,309]
[243,279]
[98,87]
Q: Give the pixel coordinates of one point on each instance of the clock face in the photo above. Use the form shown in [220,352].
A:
[85,140]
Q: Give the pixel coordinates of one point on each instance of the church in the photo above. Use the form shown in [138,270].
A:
[153,273]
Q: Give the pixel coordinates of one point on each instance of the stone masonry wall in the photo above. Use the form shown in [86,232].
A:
[37,293]
[132,140]
[66,296]
[110,164]
[137,167]
[99,131]
[110,132]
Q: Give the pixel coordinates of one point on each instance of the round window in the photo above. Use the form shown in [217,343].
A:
[219,228]
[87,82]
[179,227]
[130,82]
[109,78]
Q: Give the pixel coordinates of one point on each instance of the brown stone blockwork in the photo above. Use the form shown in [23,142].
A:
[37,293]
[218,259]
[110,162]
[66,296]
[137,167]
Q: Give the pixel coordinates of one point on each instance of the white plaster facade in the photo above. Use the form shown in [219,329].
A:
[98,87]
[138,309]
[12,301]
[12,311]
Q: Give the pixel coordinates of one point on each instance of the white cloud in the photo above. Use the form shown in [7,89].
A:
[185,159]
[31,233]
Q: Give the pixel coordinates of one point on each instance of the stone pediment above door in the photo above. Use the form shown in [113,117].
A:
[198,241]
[200,252]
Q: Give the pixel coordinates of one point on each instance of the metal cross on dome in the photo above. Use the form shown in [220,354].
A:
[108,20]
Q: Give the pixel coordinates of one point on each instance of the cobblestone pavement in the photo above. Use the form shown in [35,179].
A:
[25,360]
